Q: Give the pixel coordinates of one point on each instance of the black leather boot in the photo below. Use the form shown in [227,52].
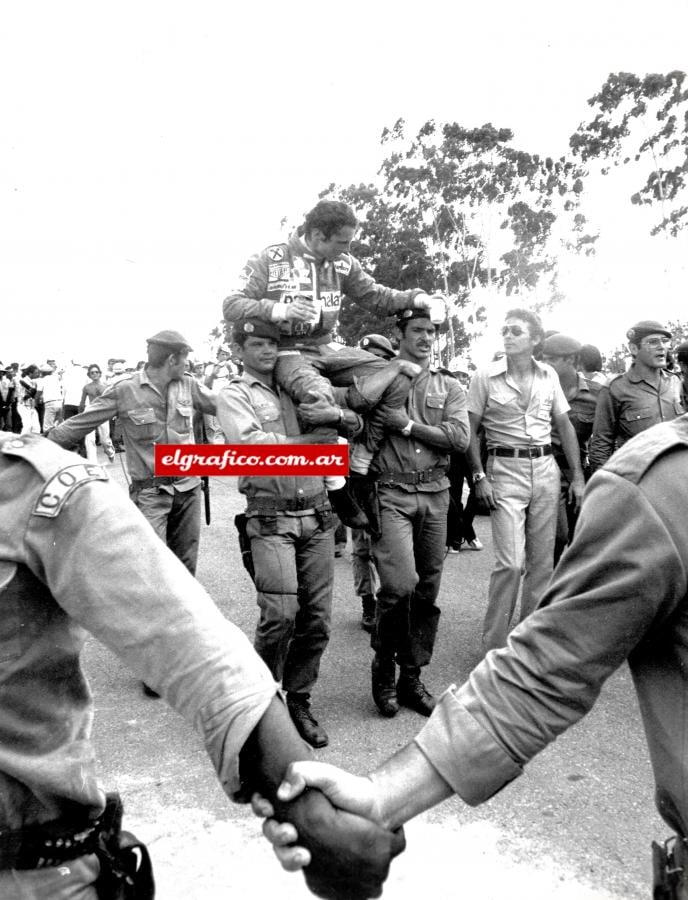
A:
[384,688]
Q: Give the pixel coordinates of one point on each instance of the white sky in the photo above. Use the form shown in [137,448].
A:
[147,148]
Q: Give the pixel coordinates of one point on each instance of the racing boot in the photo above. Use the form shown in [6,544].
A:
[364,492]
[384,689]
[347,509]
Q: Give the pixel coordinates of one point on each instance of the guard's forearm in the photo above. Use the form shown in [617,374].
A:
[569,443]
[406,785]
[432,435]
[271,746]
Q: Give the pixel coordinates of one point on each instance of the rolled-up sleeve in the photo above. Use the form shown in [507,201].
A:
[109,571]
[601,602]
[455,421]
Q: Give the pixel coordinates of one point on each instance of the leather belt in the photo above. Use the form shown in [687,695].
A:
[140,483]
[268,506]
[424,477]
[40,846]
[521,452]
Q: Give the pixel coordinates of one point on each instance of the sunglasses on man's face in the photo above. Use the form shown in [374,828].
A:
[516,330]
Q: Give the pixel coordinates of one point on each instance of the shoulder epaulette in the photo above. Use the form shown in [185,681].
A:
[640,453]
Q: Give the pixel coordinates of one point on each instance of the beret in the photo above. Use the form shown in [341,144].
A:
[378,342]
[168,338]
[560,345]
[637,332]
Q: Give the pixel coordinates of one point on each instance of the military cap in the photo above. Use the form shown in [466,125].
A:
[418,312]
[172,339]
[377,342]
[560,345]
[642,329]
[255,327]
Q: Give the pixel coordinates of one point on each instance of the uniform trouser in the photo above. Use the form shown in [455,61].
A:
[313,370]
[526,493]
[72,880]
[176,519]
[362,563]
[409,556]
[293,559]
[105,442]
[51,413]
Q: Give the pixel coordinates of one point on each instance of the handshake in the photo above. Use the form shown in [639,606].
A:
[325,821]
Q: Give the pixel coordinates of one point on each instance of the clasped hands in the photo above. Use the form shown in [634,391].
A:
[336,833]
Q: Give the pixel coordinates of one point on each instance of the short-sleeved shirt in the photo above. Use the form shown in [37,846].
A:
[147,417]
[494,396]
[251,412]
[436,398]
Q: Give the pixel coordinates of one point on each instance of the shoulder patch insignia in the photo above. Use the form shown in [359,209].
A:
[276,252]
[57,491]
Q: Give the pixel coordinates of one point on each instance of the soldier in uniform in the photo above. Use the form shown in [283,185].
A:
[289,525]
[619,593]
[561,352]
[77,556]
[410,471]
[635,400]
[154,406]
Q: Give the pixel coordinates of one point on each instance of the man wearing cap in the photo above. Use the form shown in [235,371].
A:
[410,472]
[154,406]
[516,400]
[301,285]
[633,401]
[289,526]
[561,353]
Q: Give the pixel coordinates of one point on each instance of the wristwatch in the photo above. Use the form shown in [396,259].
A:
[478,476]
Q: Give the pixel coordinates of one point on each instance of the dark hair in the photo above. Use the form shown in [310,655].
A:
[590,358]
[403,324]
[682,353]
[94,366]
[158,354]
[329,216]
[533,319]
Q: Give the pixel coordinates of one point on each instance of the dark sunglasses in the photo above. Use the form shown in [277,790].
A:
[516,330]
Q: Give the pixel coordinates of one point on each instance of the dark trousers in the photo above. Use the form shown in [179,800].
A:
[459,520]
[409,557]
[293,557]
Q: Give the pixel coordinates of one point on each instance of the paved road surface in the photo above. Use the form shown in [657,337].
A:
[576,826]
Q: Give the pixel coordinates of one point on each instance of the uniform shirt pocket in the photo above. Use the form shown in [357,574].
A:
[266,412]
[434,408]
[145,422]
[638,418]
[184,415]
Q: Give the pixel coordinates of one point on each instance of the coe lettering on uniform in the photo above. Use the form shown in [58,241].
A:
[254,459]
[60,487]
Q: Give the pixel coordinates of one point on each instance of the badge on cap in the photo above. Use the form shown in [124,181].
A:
[249,327]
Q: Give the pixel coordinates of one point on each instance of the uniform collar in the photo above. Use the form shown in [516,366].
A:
[251,380]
